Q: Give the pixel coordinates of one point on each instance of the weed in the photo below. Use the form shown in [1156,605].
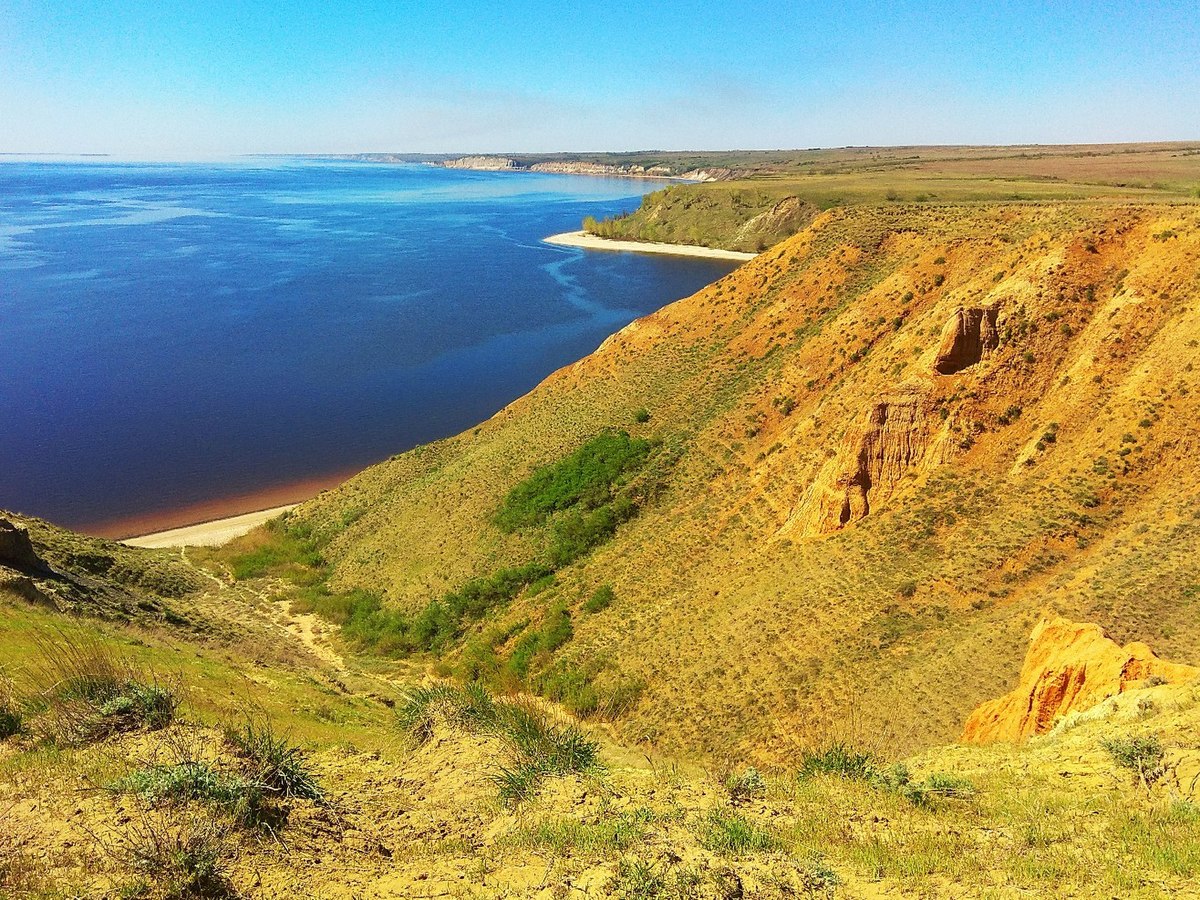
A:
[180,859]
[745,785]
[534,746]
[273,762]
[727,832]
[89,691]
[1144,756]
[10,709]
[836,758]
[195,781]
[641,416]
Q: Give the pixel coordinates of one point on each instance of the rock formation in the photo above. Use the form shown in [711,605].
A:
[16,550]
[1070,667]
[970,333]
[896,434]
[485,163]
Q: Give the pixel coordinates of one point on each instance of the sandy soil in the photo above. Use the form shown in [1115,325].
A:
[208,534]
[590,242]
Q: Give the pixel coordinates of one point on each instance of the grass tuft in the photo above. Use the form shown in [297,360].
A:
[273,762]
[89,691]
[728,832]
[535,746]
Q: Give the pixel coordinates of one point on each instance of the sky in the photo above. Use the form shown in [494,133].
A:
[204,78]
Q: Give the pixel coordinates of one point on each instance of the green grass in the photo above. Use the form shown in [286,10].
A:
[730,833]
[273,761]
[85,690]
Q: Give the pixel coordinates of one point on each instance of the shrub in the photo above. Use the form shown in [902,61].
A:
[600,600]
[586,477]
[90,692]
[181,859]
[1144,756]
[273,762]
[641,416]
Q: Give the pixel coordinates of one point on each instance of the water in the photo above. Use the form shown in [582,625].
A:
[171,334]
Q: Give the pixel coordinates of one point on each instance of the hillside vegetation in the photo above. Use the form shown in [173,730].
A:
[140,759]
[762,198]
[844,533]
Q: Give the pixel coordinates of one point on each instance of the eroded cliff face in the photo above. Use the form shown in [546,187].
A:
[1070,667]
[970,333]
[896,435]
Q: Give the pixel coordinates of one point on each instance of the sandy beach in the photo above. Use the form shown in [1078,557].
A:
[208,534]
[587,241]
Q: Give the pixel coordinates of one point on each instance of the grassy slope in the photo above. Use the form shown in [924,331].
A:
[752,636]
[724,214]
[423,820]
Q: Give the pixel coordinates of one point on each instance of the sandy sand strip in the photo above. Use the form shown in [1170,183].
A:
[208,534]
[590,242]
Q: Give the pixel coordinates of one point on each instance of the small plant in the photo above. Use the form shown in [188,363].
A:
[641,416]
[89,691]
[745,785]
[195,781]
[273,762]
[1144,756]
[600,600]
[180,860]
[10,712]
[535,747]
[727,832]
[837,758]
[817,879]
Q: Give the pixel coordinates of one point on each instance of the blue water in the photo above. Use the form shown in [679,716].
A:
[171,334]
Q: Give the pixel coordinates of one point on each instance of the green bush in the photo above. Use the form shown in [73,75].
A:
[585,478]
[641,416]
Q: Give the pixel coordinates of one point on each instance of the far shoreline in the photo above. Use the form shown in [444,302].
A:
[584,241]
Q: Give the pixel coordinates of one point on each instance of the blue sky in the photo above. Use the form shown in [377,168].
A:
[197,79]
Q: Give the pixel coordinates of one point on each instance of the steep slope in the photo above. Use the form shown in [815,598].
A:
[900,434]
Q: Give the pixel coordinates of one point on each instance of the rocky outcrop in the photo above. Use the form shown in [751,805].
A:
[970,333]
[1070,667]
[589,168]
[706,175]
[16,550]
[897,434]
[484,163]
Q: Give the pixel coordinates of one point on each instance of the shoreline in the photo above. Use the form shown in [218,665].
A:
[208,512]
[584,241]
[208,534]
